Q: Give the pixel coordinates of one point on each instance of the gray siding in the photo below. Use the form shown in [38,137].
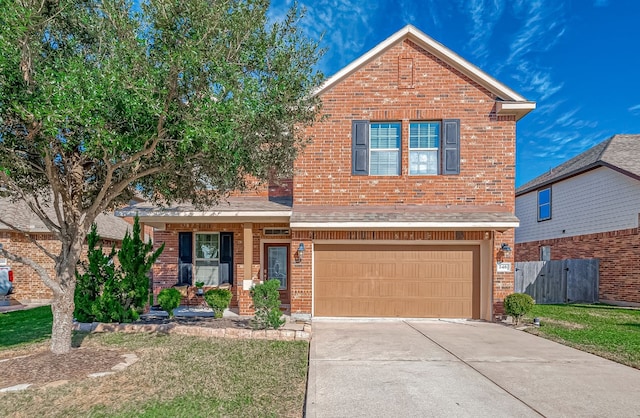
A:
[597,201]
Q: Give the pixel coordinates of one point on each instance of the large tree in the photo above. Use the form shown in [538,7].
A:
[177,100]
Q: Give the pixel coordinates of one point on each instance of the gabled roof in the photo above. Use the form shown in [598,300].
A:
[620,153]
[19,215]
[509,101]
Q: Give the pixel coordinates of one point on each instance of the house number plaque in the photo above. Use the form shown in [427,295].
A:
[504,268]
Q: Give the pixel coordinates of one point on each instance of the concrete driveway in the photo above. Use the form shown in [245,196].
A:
[443,368]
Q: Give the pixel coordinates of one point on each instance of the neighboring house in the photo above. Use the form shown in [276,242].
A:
[27,285]
[588,207]
[398,208]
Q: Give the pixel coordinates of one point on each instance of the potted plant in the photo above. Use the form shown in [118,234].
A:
[199,290]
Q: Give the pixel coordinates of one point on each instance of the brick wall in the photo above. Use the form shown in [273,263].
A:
[405,84]
[618,251]
[301,286]
[165,270]
[374,92]
[503,282]
[28,287]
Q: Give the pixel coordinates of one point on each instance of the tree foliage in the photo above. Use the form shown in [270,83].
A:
[174,100]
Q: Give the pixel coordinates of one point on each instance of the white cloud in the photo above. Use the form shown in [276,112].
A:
[542,28]
[343,26]
[484,15]
[635,110]
[548,107]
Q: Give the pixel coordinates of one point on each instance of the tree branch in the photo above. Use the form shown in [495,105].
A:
[103,198]
[31,239]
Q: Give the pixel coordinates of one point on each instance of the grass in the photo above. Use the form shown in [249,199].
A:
[24,327]
[176,376]
[604,330]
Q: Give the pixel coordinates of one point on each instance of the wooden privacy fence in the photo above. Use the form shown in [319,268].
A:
[558,281]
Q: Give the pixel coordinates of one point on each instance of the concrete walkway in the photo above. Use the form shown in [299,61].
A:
[459,369]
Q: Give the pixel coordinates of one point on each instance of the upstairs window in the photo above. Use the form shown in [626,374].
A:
[544,204]
[424,143]
[384,156]
[434,148]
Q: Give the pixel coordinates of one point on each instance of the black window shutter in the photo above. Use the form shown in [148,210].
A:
[185,257]
[451,146]
[226,257]
[360,147]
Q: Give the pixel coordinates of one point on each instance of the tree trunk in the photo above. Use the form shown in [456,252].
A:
[63,304]
[62,308]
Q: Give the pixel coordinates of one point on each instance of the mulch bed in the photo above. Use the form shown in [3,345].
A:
[43,367]
[39,367]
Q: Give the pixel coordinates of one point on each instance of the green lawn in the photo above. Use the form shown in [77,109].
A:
[24,327]
[176,376]
[604,330]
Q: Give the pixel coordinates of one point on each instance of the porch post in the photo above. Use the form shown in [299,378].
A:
[142,231]
[248,250]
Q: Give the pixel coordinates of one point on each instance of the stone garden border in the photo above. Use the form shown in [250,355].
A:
[194,330]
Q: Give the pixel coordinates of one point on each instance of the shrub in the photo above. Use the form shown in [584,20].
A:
[517,305]
[107,291]
[99,277]
[266,302]
[169,299]
[136,260]
[218,300]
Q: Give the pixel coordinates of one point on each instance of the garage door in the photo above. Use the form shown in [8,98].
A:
[410,281]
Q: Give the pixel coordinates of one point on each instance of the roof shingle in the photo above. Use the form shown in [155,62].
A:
[19,215]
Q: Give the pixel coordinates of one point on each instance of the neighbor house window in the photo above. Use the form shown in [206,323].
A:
[207,260]
[545,253]
[544,204]
[424,142]
[384,158]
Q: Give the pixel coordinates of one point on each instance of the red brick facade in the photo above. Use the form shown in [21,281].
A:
[487,172]
[402,84]
[27,285]
[618,251]
[165,270]
[378,92]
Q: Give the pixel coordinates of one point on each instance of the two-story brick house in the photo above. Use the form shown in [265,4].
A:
[398,208]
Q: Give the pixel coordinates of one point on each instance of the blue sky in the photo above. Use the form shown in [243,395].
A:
[578,59]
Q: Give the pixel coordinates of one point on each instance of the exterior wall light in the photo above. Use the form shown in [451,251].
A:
[505,248]
[299,253]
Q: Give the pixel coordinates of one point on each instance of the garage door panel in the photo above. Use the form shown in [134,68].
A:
[395,281]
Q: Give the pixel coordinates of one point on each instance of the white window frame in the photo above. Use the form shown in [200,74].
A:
[395,150]
[215,258]
[435,150]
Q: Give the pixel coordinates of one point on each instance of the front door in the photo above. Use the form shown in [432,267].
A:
[276,257]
